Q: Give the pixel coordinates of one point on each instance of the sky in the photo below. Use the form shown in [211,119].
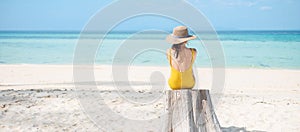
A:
[73,15]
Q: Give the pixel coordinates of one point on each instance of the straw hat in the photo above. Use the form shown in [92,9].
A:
[180,34]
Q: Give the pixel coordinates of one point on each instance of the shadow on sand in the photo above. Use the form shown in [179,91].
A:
[237,129]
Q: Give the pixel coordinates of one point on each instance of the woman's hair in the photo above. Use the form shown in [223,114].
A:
[176,47]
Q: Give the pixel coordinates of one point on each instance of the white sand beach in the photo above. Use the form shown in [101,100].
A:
[43,98]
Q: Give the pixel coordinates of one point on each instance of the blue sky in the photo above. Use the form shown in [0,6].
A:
[223,14]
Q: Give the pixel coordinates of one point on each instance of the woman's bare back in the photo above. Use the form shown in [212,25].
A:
[184,59]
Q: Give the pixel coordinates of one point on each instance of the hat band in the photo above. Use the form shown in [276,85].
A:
[179,36]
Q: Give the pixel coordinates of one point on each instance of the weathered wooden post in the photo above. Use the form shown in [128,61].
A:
[190,111]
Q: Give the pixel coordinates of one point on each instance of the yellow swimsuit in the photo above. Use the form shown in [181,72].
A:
[179,80]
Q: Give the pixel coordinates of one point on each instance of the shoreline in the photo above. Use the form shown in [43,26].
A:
[198,67]
[234,77]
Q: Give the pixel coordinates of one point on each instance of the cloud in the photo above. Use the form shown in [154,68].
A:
[237,2]
[265,8]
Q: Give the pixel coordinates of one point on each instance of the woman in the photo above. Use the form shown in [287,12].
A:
[181,59]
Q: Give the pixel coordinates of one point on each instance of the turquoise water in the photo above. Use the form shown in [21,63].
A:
[259,49]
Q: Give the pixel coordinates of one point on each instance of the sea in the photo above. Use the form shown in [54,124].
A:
[241,49]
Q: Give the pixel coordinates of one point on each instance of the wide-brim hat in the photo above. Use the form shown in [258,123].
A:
[180,34]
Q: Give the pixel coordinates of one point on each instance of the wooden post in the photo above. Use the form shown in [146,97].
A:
[190,111]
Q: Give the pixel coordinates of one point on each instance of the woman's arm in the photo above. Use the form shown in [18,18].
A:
[168,54]
[195,52]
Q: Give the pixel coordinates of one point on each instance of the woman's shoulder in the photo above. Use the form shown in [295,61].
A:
[168,51]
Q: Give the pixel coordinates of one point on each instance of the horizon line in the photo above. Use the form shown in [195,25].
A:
[131,31]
